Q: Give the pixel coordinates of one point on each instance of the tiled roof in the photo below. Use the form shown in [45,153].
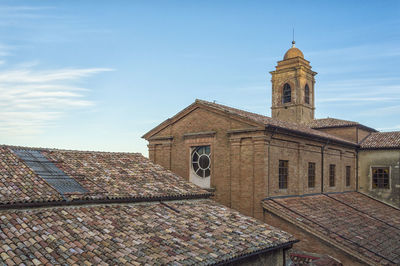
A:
[334,122]
[382,140]
[116,175]
[351,221]
[104,176]
[156,217]
[268,121]
[195,232]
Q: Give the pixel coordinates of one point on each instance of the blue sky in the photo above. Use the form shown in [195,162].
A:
[97,75]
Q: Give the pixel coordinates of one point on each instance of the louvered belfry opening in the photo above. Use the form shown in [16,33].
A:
[49,171]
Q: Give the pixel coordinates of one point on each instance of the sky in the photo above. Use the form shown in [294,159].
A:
[97,75]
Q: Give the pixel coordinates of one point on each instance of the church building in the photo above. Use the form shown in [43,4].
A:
[261,165]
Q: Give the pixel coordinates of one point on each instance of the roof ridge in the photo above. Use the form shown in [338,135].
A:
[65,150]
[273,122]
[230,107]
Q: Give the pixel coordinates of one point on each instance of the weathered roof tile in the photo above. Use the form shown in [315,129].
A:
[148,233]
[370,229]
[104,176]
[334,122]
[195,231]
[382,140]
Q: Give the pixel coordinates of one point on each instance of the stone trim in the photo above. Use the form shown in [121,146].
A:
[162,138]
[199,134]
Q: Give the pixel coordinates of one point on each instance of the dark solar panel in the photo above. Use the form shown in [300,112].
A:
[49,171]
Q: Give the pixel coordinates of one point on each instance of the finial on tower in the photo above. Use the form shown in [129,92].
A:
[293,42]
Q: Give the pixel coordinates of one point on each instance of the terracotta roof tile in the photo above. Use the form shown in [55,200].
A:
[334,122]
[331,122]
[366,232]
[121,175]
[195,231]
[201,233]
[268,121]
[382,140]
[104,175]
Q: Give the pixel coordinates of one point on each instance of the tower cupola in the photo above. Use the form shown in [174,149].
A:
[293,88]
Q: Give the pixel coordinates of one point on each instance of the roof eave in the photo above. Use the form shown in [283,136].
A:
[314,136]
[380,148]
[243,257]
[341,126]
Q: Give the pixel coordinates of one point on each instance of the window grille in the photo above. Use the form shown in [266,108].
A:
[201,161]
[380,177]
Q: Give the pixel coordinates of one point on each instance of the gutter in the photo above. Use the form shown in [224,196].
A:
[242,258]
[345,143]
[322,166]
[79,202]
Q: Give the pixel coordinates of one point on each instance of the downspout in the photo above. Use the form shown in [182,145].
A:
[357,159]
[398,164]
[357,170]
[322,166]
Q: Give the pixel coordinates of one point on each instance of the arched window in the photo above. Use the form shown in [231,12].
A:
[287,94]
[307,94]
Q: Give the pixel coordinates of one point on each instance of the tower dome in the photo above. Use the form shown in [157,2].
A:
[293,52]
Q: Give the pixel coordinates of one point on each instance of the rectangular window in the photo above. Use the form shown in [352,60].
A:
[380,177]
[348,175]
[332,170]
[283,174]
[311,174]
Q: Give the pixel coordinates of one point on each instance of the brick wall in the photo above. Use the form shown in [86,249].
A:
[245,158]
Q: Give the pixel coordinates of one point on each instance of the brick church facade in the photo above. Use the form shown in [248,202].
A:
[252,156]
[275,168]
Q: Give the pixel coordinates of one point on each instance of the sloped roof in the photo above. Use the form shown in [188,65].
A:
[198,232]
[382,140]
[132,211]
[361,226]
[104,176]
[334,122]
[270,122]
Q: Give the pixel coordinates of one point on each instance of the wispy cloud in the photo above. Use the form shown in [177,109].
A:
[394,128]
[32,99]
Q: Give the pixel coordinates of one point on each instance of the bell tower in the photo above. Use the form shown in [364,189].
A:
[293,88]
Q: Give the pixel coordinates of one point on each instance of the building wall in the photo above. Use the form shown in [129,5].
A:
[362,134]
[177,148]
[352,133]
[376,158]
[310,243]
[348,133]
[245,163]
